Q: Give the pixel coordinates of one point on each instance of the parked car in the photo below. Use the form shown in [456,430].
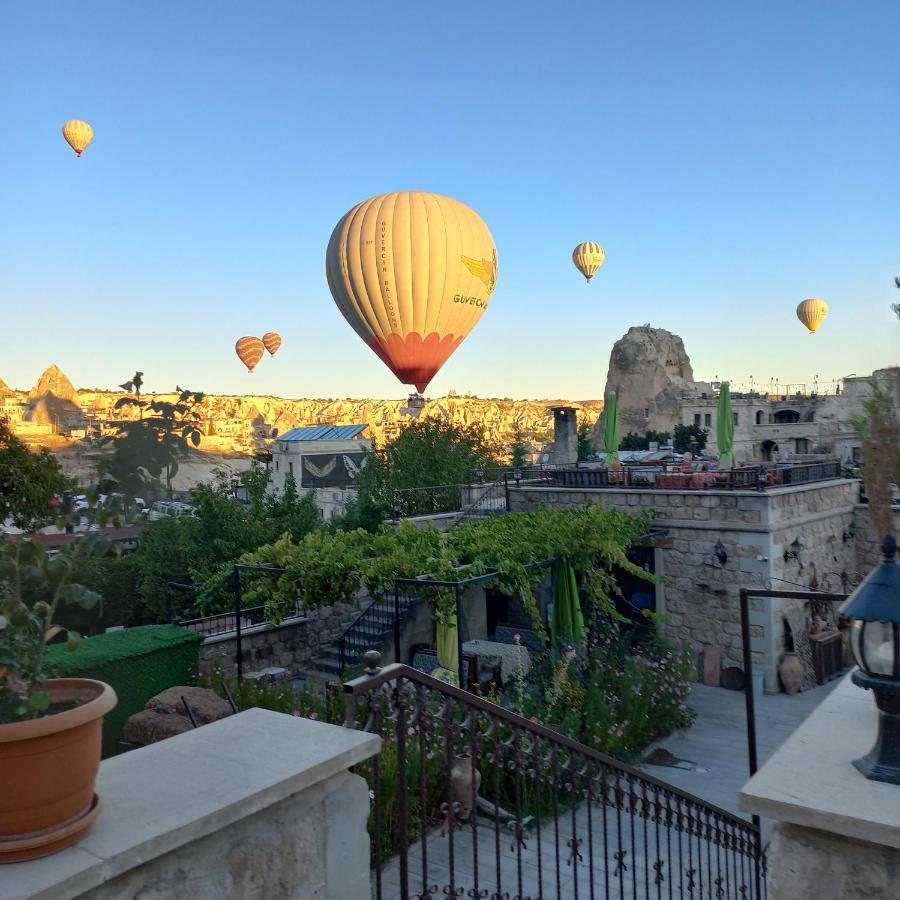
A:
[173,509]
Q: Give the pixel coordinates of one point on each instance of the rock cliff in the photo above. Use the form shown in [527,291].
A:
[650,371]
[53,380]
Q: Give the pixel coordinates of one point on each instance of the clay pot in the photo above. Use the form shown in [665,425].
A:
[462,776]
[48,767]
[790,670]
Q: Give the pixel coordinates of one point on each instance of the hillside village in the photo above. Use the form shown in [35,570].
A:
[73,422]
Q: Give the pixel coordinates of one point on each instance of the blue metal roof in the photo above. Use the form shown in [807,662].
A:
[323,433]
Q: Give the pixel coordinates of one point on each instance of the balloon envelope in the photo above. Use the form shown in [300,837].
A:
[412,273]
[812,314]
[78,135]
[271,341]
[250,351]
[588,257]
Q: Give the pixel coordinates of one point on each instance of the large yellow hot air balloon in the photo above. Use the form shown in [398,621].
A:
[271,341]
[250,351]
[588,257]
[812,314]
[78,135]
[412,273]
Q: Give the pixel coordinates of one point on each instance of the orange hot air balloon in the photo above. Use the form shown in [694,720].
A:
[412,273]
[272,341]
[812,314]
[250,351]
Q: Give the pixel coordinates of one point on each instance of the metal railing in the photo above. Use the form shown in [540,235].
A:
[227,623]
[377,625]
[426,501]
[490,500]
[485,803]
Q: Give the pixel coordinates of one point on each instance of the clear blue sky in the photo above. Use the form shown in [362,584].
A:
[732,158]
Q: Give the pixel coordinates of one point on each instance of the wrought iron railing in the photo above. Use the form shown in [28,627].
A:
[489,500]
[226,623]
[427,501]
[472,800]
[377,625]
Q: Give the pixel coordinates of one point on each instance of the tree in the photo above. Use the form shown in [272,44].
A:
[689,438]
[428,453]
[586,449]
[29,482]
[517,454]
[633,441]
[147,450]
[896,306]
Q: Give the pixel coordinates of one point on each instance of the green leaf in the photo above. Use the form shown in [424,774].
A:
[73,641]
[39,701]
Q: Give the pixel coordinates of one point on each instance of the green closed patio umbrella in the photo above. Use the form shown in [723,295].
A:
[611,429]
[725,425]
[447,651]
[568,621]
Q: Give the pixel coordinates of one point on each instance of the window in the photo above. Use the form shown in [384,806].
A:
[647,411]
[759,417]
[276,465]
[802,445]
[856,455]
[696,418]
[707,419]
[735,418]
[291,468]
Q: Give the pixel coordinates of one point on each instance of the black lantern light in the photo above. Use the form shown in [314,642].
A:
[850,533]
[793,552]
[874,611]
[721,554]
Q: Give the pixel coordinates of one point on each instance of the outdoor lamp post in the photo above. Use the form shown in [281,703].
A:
[874,611]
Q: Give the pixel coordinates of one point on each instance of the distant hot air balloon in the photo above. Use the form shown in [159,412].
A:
[812,314]
[412,273]
[272,341]
[250,351]
[588,257]
[78,135]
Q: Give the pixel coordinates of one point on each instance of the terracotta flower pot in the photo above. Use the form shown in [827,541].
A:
[48,768]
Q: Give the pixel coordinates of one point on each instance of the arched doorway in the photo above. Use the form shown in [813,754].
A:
[786,417]
[767,448]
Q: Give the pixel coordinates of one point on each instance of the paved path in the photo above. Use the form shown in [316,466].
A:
[714,753]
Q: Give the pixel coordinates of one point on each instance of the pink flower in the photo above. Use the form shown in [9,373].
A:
[314,716]
[296,712]
[517,638]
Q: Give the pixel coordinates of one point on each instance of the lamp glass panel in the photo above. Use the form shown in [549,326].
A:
[876,641]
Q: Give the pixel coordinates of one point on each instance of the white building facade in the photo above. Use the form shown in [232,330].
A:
[322,459]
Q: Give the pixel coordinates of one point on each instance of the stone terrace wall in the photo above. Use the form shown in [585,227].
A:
[293,645]
[868,542]
[701,595]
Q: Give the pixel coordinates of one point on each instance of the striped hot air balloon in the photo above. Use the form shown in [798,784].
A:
[412,273]
[272,341]
[812,313]
[588,257]
[78,135]
[250,351]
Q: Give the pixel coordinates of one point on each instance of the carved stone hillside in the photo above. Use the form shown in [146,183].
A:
[53,380]
[650,371]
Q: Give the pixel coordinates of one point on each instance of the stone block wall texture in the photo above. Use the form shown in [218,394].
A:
[868,543]
[806,862]
[310,846]
[701,593]
[291,645]
[137,662]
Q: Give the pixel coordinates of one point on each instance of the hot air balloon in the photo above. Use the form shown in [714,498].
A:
[250,351]
[588,257]
[272,341]
[78,135]
[812,314]
[412,273]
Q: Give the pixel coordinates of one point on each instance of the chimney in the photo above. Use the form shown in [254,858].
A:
[564,449]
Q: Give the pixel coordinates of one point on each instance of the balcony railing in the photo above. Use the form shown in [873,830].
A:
[472,800]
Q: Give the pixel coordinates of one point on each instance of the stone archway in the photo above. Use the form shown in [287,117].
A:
[767,448]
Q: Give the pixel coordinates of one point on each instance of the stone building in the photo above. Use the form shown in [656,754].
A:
[652,375]
[323,459]
[720,541]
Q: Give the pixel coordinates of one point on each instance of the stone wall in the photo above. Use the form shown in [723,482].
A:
[867,543]
[701,595]
[292,645]
[257,805]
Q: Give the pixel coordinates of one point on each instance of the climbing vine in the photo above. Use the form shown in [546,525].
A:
[326,568]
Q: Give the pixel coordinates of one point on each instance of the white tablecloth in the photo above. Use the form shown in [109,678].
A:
[512,656]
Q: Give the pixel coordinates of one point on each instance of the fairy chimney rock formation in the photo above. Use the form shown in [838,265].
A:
[650,371]
[53,381]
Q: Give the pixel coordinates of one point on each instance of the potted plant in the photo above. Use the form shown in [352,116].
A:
[50,729]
